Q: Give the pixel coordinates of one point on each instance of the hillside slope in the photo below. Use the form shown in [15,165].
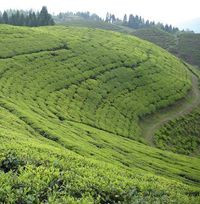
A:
[121,81]
[183,45]
[180,136]
[70,103]
[156,36]
[188,48]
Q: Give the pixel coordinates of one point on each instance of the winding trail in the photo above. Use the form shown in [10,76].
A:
[152,123]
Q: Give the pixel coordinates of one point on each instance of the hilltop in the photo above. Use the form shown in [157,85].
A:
[71,100]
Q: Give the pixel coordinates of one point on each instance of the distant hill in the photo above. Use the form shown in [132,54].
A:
[157,36]
[185,45]
[188,48]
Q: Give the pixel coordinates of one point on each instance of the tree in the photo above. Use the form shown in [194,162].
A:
[32,19]
[5,17]
[21,20]
[51,22]
[112,18]
[1,18]
[45,18]
[131,20]
[107,18]
[125,20]
[147,23]
[12,19]
[167,28]
[27,18]
[17,18]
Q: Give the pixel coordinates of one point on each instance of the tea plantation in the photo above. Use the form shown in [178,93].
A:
[70,103]
[181,135]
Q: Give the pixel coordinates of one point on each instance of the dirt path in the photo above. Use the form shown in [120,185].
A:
[152,123]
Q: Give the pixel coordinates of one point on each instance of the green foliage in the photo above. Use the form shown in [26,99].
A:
[24,18]
[109,90]
[137,22]
[70,101]
[78,16]
[56,175]
[157,36]
[184,45]
[181,135]
[10,162]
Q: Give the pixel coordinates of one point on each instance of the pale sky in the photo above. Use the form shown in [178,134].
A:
[165,11]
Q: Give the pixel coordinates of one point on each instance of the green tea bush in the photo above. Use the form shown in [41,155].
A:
[181,135]
[10,162]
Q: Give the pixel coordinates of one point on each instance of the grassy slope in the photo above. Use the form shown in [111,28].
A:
[47,102]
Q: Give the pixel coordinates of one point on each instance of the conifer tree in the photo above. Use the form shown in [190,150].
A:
[125,20]
[5,17]
[44,17]
[24,18]
[1,19]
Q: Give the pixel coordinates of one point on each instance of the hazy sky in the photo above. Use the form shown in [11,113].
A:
[166,11]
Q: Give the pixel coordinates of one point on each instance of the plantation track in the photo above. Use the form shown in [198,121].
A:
[152,123]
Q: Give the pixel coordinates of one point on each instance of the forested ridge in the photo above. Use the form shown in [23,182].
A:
[27,18]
